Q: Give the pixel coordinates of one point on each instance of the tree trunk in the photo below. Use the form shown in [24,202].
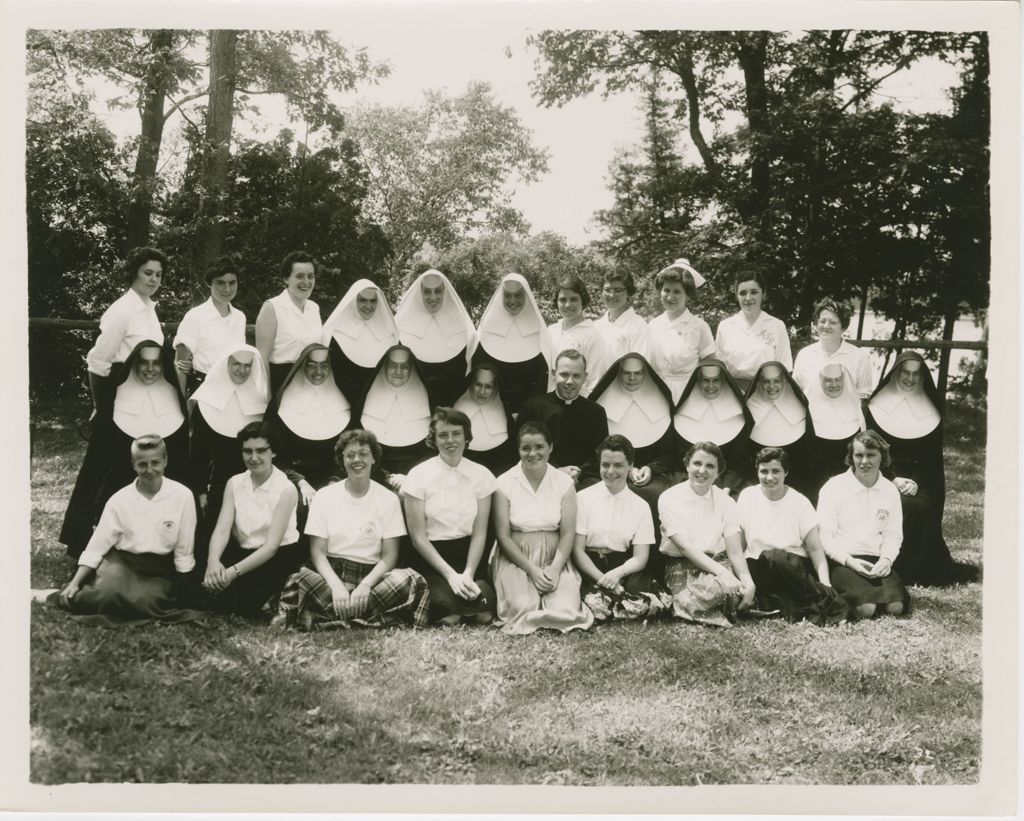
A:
[217,147]
[949,321]
[154,93]
[752,50]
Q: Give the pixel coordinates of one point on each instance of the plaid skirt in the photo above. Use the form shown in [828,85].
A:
[399,597]
[698,596]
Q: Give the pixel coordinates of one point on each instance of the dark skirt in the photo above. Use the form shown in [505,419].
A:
[443,600]
[924,556]
[131,588]
[857,590]
[787,583]
[352,380]
[249,594]
[827,459]
[400,597]
[642,598]
[650,493]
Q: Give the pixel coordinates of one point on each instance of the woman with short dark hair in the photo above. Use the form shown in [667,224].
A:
[831,318]
[751,337]
[577,331]
[622,328]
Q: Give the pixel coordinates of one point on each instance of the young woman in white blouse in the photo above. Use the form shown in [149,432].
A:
[535,526]
[255,545]
[622,328]
[577,331]
[290,321]
[751,337]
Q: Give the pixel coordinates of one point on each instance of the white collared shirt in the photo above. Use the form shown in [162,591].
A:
[529,509]
[615,521]
[745,348]
[674,347]
[625,334]
[209,335]
[129,320]
[699,522]
[131,522]
[450,495]
[857,520]
[355,527]
[255,506]
[295,329]
[811,359]
[782,524]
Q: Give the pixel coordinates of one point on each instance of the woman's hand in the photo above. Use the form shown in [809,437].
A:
[860,567]
[215,579]
[748,594]
[359,598]
[395,480]
[572,471]
[730,584]
[882,568]
[906,487]
[463,586]
[204,501]
[540,580]
[641,476]
[307,491]
[68,594]
[340,599]
[183,365]
[612,580]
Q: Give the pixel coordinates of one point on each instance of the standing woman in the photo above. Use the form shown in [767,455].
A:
[751,337]
[782,419]
[512,334]
[447,502]
[354,526]
[676,339]
[831,318]
[535,526]
[255,545]
[145,400]
[358,332]
[906,410]
[712,409]
[623,329]
[309,412]
[234,394]
[700,534]
[290,321]
[577,331]
[129,320]
[836,413]
[208,331]
[493,443]
[435,325]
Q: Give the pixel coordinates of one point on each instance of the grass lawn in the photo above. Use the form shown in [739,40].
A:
[892,701]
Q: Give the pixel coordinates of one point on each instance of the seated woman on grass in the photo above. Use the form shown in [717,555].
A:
[783,548]
[255,544]
[705,571]
[447,503]
[861,519]
[354,526]
[535,526]
[614,535]
[140,554]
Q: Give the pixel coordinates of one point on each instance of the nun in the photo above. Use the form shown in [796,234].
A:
[513,335]
[493,442]
[234,393]
[435,325]
[397,412]
[309,411]
[712,409]
[357,333]
[146,400]
[836,413]
[782,419]
[905,408]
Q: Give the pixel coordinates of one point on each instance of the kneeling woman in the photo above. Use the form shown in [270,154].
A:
[140,555]
[354,526]
[783,548]
[254,547]
[705,571]
[614,535]
[447,502]
[535,526]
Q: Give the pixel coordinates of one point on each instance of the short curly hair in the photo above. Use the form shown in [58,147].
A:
[872,440]
[448,416]
[137,257]
[680,275]
[772,455]
[707,447]
[357,437]
[836,306]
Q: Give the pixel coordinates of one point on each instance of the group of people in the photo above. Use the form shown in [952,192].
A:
[413,466]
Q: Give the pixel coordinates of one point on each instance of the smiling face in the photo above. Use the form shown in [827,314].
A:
[450,441]
[148,277]
[828,325]
[673,297]
[301,280]
[632,374]
[909,377]
[710,381]
[148,367]
[534,450]
[366,303]
[224,288]
[357,459]
[867,463]
[432,291]
[483,387]
[513,297]
[616,297]
[570,375]
[240,366]
[771,382]
[398,369]
[614,469]
[701,471]
[317,367]
[149,464]
[749,296]
[258,456]
[771,476]
[570,304]
[832,382]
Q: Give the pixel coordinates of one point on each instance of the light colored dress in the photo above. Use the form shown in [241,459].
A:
[534,517]
[675,346]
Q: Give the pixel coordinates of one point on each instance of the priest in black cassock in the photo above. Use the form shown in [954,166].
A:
[577,424]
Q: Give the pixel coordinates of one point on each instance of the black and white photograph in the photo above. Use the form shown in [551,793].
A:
[473,395]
